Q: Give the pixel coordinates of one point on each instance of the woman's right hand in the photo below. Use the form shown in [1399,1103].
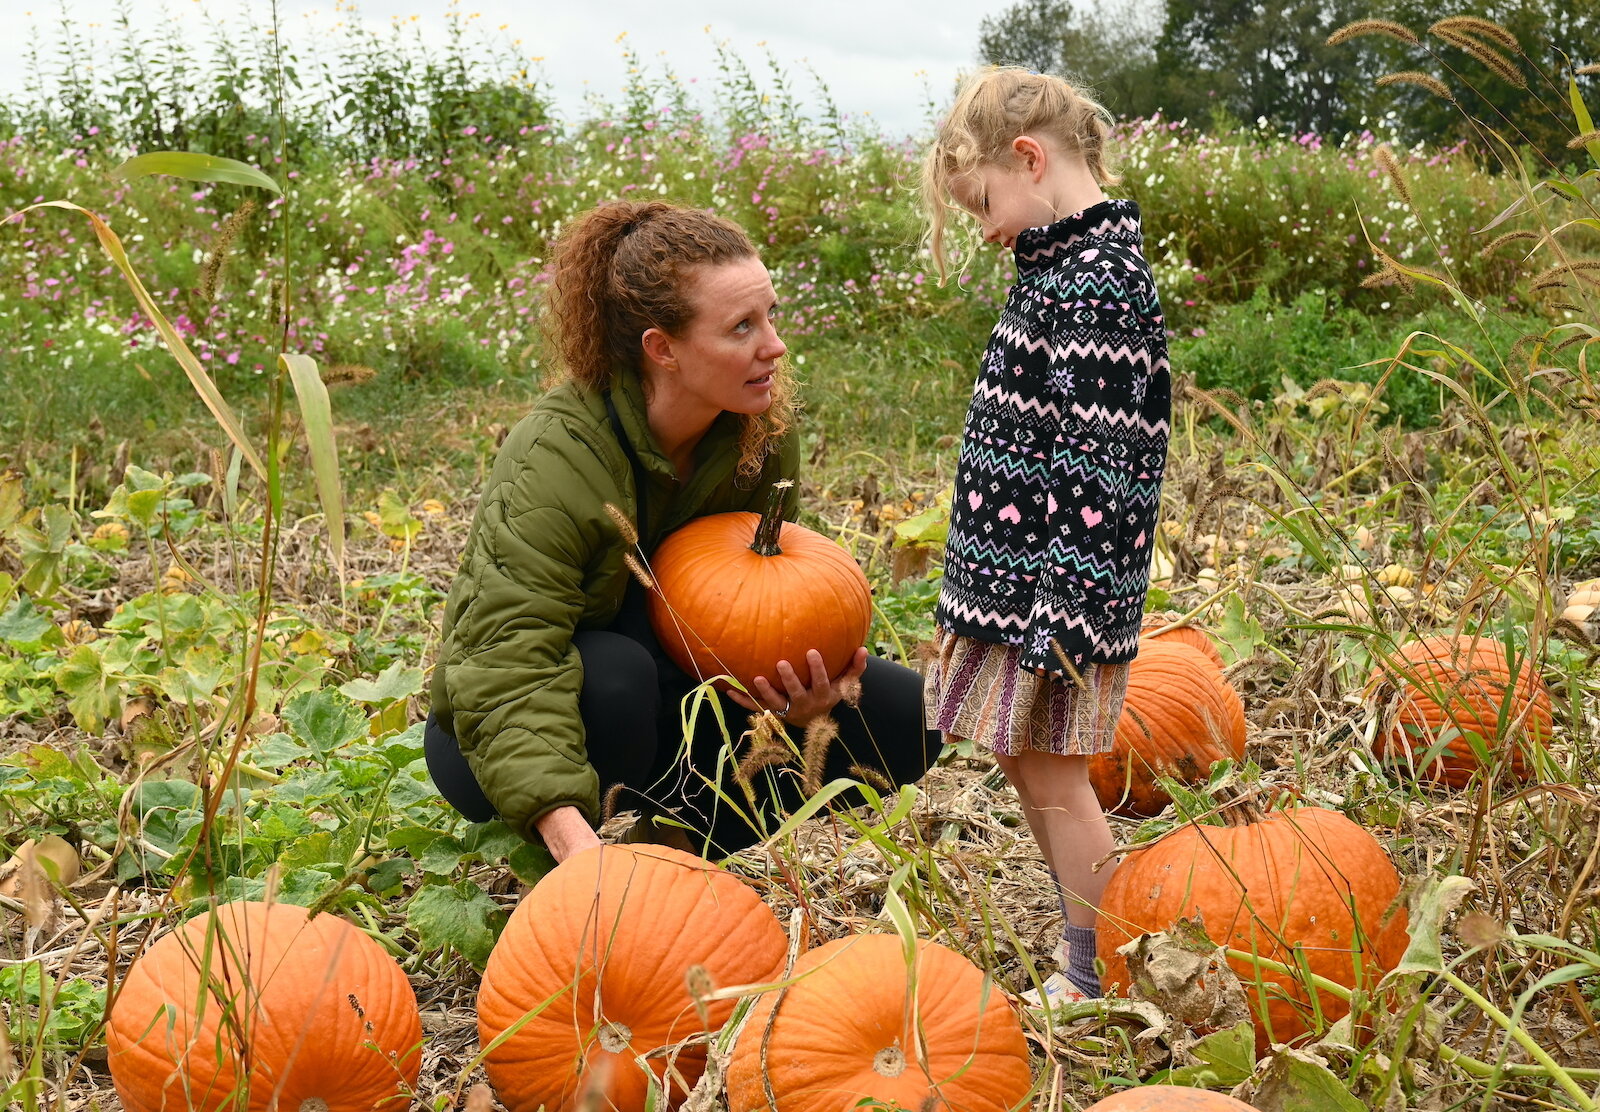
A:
[566,832]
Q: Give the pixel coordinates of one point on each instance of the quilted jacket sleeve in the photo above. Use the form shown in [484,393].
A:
[514,677]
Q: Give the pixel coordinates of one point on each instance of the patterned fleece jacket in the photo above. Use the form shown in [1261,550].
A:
[1059,479]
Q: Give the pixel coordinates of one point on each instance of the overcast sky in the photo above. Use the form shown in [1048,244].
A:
[874,55]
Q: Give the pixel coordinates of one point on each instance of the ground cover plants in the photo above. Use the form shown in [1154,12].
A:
[1384,431]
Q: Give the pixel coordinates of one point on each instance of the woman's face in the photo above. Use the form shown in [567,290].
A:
[724,359]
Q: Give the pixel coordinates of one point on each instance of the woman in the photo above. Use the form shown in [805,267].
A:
[550,688]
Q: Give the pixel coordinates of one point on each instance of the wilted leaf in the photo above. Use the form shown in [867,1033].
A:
[91,692]
[1185,973]
[461,916]
[1432,901]
[1297,1081]
[395,682]
[395,519]
[1223,1059]
[1241,635]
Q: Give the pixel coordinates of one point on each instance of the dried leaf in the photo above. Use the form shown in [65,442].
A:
[1185,973]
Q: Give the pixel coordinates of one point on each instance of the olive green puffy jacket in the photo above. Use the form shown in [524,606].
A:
[544,559]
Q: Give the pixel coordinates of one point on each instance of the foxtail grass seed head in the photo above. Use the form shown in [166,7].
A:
[1581,141]
[630,535]
[758,759]
[1588,70]
[212,267]
[338,374]
[1491,58]
[820,736]
[1386,27]
[636,566]
[869,775]
[1582,269]
[1424,80]
[1500,241]
[1483,28]
[1384,157]
[608,805]
[849,691]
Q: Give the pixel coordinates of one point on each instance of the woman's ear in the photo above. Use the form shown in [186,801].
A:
[657,347]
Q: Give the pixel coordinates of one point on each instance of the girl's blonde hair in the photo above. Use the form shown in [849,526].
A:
[626,267]
[993,107]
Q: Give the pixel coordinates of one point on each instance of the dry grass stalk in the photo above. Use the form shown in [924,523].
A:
[1424,80]
[1383,155]
[1386,27]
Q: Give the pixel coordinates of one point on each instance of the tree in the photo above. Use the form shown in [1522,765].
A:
[1106,52]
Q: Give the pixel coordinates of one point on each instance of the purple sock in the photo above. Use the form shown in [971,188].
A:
[1080,960]
[1061,895]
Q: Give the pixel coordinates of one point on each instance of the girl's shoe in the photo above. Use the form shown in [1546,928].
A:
[1058,991]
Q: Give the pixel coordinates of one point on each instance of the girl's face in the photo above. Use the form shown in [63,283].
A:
[724,359]
[1005,200]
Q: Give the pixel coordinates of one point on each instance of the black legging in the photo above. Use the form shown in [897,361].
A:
[632,708]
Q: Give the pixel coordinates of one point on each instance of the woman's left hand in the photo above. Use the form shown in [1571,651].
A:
[799,702]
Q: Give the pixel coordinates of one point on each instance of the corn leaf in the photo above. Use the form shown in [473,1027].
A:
[195,167]
[317,414]
[1580,115]
[198,376]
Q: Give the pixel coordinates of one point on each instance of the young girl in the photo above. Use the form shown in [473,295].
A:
[1059,477]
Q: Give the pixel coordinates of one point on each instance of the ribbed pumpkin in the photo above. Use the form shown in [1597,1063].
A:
[1193,636]
[1450,686]
[849,1032]
[599,957]
[1181,716]
[316,1013]
[1270,885]
[736,593]
[1168,1098]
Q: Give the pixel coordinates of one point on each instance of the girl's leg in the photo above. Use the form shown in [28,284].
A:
[1072,824]
[1013,774]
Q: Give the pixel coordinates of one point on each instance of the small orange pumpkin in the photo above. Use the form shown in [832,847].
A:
[310,1013]
[1448,687]
[1279,885]
[851,1031]
[1181,716]
[1168,1098]
[738,592]
[1193,636]
[599,958]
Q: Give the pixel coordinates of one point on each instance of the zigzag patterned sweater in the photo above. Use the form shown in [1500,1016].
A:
[1059,478]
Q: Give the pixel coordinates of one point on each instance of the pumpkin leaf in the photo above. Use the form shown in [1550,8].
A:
[324,720]
[21,624]
[393,683]
[1241,635]
[1297,1081]
[1430,905]
[461,916]
[1223,1059]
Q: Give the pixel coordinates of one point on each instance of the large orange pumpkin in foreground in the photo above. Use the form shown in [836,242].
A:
[1193,636]
[1181,716]
[849,1032]
[317,1014]
[1168,1098]
[1452,686]
[738,592]
[1302,881]
[599,958]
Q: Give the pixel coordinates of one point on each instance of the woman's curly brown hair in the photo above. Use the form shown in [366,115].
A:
[624,268]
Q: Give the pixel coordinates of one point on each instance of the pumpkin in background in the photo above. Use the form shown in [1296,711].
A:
[1193,636]
[1270,885]
[319,1014]
[1452,686]
[1168,1098]
[1181,716]
[603,950]
[847,1033]
[735,593]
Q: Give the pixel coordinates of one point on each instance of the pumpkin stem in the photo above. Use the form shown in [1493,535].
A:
[766,539]
[1238,805]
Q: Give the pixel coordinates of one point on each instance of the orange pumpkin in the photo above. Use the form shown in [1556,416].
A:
[852,1031]
[309,1013]
[1168,1098]
[1279,885]
[738,592]
[599,958]
[1181,716]
[1449,687]
[1193,636]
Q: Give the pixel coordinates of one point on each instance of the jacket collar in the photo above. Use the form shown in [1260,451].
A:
[627,393]
[1115,220]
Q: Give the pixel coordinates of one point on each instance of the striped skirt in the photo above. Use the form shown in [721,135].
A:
[975,690]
